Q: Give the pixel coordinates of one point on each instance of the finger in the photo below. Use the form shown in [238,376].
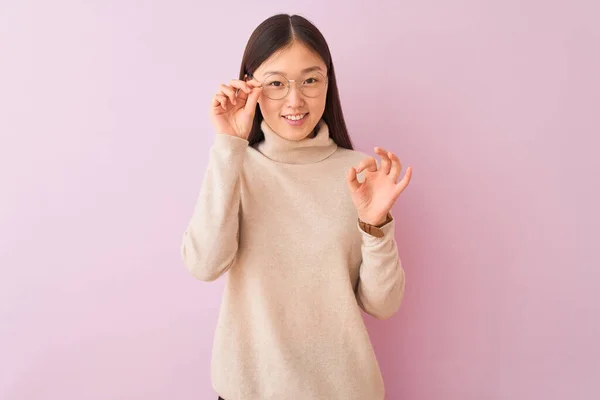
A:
[368,164]
[220,100]
[238,84]
[252,100]
[396,166]
[400,186]
[242,89]
[254,83]
[229,92]
[241,95]
[352,179]
[386,163]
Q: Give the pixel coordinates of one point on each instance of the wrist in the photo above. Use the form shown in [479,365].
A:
[374,221]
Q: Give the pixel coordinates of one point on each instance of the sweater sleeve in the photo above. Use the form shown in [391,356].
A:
[210,242]
[380,286]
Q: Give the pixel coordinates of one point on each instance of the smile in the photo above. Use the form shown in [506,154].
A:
[295,117]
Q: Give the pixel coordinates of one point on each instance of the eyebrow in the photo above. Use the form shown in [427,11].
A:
[305,70]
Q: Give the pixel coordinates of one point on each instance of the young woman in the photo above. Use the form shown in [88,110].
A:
[300,221]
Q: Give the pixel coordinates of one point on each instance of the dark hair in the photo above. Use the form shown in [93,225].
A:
[276,33]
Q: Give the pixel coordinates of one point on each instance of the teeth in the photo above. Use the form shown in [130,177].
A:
[294,117]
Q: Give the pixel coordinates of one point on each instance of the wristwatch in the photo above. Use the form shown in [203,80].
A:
[375,230]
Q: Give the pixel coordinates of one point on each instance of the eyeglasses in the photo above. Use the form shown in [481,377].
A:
[277,86]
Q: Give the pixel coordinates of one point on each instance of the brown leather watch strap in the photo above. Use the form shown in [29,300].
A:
[374,230]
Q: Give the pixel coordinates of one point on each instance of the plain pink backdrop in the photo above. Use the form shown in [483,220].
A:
[104,140]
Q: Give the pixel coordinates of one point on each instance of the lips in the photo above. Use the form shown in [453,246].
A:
[296,120]
[295,117]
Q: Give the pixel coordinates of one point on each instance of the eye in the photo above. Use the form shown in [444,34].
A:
[275,84]
[311,80]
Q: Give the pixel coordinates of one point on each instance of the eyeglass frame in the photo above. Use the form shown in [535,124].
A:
[289,85]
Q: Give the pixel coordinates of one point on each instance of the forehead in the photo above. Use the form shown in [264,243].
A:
[291,61]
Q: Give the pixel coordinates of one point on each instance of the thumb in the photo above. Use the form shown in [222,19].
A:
[252,100]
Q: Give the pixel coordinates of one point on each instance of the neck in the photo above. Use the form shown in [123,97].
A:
[314,148]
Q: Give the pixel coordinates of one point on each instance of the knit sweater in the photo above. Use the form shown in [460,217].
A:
[278,218]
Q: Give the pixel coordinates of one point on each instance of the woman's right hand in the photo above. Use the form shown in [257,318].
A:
[232,108]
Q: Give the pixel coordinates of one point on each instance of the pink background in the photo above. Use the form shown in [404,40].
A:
[104,139]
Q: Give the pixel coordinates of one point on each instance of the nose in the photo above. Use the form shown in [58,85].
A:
[295,98]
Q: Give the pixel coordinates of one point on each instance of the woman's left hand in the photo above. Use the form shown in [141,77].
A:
[375,196]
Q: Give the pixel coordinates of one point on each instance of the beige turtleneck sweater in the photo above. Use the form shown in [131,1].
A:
[279,219]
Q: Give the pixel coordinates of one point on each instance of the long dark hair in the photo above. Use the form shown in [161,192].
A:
[278,32]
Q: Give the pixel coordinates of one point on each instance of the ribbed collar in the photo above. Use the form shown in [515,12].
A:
[305,151]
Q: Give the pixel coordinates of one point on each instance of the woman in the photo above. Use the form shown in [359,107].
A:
[300,221]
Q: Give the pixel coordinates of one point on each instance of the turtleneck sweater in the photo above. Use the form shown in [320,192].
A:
[278,221]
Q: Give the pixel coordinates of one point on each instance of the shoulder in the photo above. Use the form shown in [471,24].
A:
[350,156]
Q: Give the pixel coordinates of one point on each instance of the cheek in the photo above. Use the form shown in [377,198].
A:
[317,106]
[269,109]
